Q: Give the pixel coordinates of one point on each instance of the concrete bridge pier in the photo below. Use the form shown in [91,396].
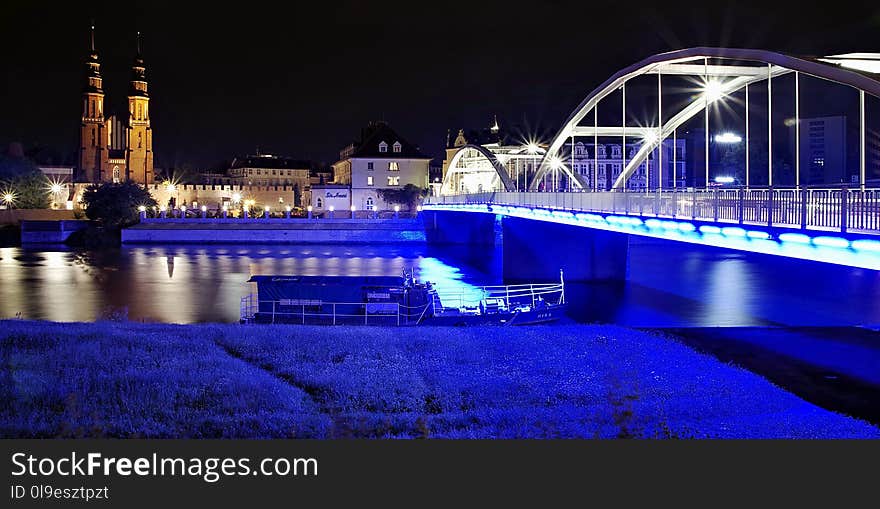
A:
[531,250]
[537,250]
[468,228]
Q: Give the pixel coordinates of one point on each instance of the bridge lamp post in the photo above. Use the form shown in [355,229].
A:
[531,148]
[649,139]
[555,165]
[712,91]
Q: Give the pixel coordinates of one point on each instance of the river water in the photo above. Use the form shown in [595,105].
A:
[670,284]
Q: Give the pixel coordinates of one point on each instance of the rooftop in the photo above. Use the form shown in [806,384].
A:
[373,137]
[270,161]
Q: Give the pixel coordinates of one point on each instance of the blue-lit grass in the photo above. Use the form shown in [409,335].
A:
[124,379]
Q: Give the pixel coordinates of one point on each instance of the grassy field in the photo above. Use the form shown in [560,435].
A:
[119,379]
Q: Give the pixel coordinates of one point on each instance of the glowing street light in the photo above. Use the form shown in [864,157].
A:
[9,198]
[713,90]
[142,209]
[170,187]
[555,163]
[55,188]
[236,197]
[532,147]
[727,138]
[651,137]
[723,179]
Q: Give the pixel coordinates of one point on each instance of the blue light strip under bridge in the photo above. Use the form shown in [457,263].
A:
[861,253]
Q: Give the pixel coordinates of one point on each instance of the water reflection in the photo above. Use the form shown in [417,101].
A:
[674,284]
[186,284]
[670,284]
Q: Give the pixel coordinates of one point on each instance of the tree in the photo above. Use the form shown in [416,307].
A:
[115,205]
[408,196]
[31,190]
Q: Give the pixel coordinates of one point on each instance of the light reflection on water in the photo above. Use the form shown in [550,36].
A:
[670,284]
[186,284]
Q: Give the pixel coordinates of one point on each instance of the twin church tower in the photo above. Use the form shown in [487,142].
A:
[113,150]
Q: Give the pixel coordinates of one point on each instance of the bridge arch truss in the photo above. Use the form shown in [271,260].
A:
[719,72]
[474,168]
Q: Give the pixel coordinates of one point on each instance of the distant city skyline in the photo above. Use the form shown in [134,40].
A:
[298,84]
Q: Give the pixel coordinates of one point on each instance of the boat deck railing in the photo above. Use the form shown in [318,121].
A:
[254,310]
[511,295]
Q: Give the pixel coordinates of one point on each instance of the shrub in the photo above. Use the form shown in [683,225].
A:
[115,205]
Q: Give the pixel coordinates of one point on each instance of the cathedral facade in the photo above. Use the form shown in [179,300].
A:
[111,149]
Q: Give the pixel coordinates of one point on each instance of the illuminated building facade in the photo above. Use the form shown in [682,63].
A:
[112,150]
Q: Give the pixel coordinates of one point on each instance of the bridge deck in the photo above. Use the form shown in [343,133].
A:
[840,210]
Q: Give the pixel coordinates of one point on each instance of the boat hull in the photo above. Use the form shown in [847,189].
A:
[532,317]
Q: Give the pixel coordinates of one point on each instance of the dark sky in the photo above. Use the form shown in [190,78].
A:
[302,80]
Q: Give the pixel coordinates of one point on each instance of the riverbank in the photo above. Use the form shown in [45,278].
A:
[122,379]
[274,231]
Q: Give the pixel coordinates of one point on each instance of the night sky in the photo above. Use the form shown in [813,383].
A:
[302,81]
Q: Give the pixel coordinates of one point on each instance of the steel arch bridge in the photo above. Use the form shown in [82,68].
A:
[488,172]
[722,71]
[837,223]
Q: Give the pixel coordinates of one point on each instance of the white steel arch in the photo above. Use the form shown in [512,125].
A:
[693,62]
[500,172]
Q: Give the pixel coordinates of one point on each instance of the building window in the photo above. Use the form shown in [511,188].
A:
[116,174]
[370,180]
[396,147]
[393,181]
[383,147]
[392,166]
[369,203]
[320,203]
[370,165]
[139,140]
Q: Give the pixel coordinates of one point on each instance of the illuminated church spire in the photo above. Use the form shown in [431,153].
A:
[139,151]
[92,150]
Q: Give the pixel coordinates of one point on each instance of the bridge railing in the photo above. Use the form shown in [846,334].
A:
[837,209]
